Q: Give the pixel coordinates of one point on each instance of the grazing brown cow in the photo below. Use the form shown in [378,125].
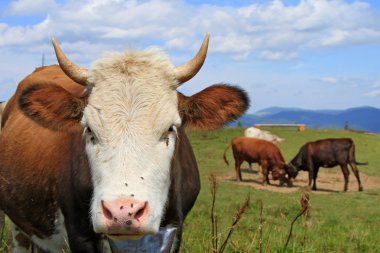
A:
[253,150]
[326,153]
[102,151]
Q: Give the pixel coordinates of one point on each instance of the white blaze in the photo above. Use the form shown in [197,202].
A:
[132,106]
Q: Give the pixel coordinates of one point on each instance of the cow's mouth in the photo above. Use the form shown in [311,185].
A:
[130,235]
[119,237]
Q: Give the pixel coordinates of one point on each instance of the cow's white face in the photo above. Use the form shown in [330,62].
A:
[130,126]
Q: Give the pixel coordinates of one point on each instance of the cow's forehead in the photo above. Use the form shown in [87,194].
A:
[132,90]
[150,65]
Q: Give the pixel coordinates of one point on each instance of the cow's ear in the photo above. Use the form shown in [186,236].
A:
[212,107]
[52,107]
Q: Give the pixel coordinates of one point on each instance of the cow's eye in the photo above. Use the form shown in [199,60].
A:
[91,135]
[172,128]
[166,136]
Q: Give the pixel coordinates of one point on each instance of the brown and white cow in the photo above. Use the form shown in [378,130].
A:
[253,150]
[102,151]
[326,153]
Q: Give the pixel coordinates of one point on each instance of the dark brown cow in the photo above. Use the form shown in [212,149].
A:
[102,151]
[254,150]
[326,153]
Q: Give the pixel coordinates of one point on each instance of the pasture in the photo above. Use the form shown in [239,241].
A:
[338,221]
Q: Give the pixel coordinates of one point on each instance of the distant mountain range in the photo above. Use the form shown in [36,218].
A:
[359,118]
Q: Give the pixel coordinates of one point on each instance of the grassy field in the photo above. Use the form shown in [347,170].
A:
[338,222]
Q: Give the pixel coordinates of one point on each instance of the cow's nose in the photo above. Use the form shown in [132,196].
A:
[124,213]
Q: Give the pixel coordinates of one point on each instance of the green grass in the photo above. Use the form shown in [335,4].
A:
[339,222]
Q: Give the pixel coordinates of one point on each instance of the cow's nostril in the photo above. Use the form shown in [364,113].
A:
[107,213]
[140,212]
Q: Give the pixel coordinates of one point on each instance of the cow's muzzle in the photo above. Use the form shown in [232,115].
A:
[124,218]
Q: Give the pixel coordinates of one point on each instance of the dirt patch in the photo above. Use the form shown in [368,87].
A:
[328,181]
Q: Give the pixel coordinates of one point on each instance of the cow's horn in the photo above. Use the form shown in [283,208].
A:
[75,72]
[188,70]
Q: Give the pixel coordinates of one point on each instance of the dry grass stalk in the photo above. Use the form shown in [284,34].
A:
[305,204]
[237,218]
[304,201]
[305,207]
[261,226]
[214,219]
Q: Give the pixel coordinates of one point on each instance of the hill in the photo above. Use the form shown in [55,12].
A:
[358,118]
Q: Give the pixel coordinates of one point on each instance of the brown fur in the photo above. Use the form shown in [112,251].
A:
[2,107]
[23,142]
[253,150]
[51,75]
[36,189]
[2,216]
[60,110]
[212,107]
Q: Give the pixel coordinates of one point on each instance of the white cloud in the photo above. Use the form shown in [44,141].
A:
[272,31]
[30,7]
[376,84]
[311,23]
[373,93]
[347,82]
[335,38]
[277,55]
[231,43]
[329,79]
[178,43]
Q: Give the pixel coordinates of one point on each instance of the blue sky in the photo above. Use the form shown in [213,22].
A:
[309,54]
